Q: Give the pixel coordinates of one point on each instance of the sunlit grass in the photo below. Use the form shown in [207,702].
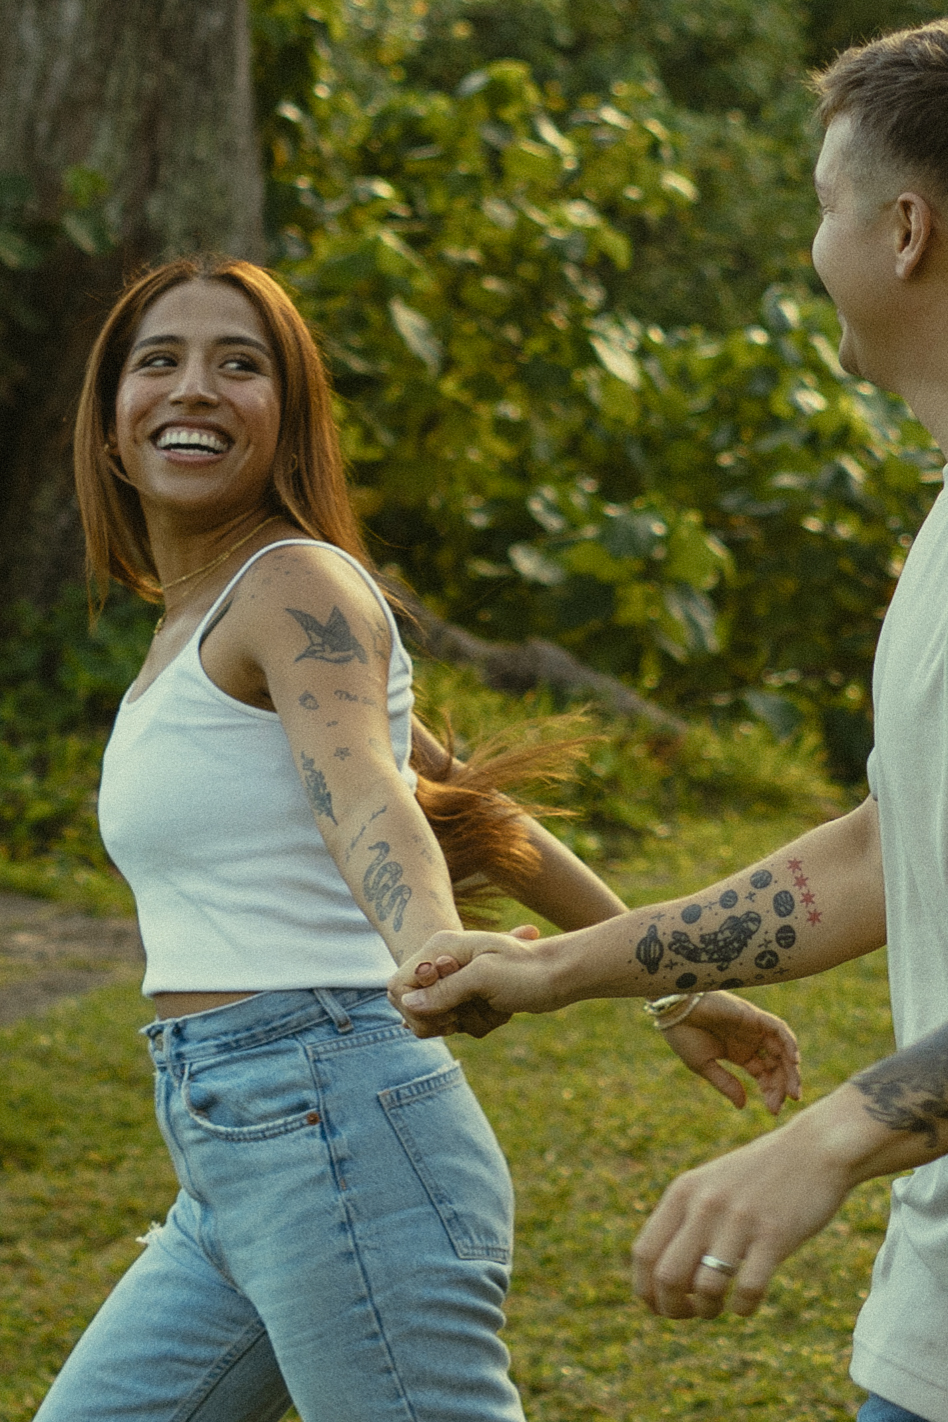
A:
[594,1112]
[596,1117]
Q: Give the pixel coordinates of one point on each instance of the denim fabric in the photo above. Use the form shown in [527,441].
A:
[342,1236]
[876,1409]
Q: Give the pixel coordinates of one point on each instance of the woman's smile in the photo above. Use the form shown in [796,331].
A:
[200,393]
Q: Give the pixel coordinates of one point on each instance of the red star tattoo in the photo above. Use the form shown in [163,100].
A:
[814,916]
[808,898]
[795,864]
[800,881]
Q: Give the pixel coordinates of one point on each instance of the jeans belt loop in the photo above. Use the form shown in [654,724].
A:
[334,1009]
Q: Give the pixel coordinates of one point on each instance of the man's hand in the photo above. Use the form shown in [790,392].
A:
[732,1029]
[470,982]
[748,1211]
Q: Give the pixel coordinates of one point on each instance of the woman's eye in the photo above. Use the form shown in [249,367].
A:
[241,362]
[156,361]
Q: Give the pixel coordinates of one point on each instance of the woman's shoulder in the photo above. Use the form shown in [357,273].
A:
[318,588]
[312,565]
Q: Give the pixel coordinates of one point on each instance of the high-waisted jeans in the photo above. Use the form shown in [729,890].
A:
[341,1239]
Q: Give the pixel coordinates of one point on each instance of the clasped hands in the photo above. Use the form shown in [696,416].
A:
[727,1210]
[474,982]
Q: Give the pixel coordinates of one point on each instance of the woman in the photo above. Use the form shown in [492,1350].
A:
[342,1235]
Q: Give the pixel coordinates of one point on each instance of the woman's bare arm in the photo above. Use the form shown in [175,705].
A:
[322,644]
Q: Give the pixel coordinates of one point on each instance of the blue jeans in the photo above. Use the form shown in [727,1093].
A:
[341,1239]
[876,1409]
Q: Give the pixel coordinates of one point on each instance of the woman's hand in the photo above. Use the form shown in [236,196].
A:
[476,1017]
[471,982]
[725,1027]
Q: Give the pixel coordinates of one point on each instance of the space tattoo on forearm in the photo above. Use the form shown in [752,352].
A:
[781,898]
[909,1091]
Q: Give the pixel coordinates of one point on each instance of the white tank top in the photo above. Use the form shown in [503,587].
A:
[203,811]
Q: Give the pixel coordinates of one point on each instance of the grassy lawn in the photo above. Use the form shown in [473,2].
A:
[596,1116]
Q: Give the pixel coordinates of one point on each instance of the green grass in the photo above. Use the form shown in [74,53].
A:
[596,1117]
[595,1113]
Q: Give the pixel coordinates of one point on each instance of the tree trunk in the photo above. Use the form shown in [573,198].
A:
[154,97]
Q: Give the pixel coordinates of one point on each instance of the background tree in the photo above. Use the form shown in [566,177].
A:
[126,134]
[558,255]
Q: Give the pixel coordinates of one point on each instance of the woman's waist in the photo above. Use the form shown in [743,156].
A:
[258,1018]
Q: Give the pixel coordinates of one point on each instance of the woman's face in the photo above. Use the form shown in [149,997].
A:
[197,414]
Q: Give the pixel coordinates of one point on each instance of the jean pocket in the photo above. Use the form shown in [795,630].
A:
[254,1094]
[454,1152]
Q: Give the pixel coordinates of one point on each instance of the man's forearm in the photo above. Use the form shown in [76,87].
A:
[811,905]
[908,1094]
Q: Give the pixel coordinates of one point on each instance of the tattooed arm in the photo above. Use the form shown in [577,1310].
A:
[803,909]
[320,641]
[757,1205]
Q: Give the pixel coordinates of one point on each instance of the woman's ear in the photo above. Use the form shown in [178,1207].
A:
[110,450]
[914,233]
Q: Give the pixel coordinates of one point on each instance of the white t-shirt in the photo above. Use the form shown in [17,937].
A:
[901,1342]
[203,810]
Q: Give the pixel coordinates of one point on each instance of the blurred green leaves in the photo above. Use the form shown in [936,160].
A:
[586,388]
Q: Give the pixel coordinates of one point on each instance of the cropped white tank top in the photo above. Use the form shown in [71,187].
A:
[203,811]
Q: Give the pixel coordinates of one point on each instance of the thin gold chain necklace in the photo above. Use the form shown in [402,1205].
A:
[209,567]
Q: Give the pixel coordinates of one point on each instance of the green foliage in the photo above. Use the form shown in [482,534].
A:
[59,690]
[640,791]
[506,267]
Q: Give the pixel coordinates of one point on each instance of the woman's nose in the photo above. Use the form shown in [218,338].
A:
[194,384]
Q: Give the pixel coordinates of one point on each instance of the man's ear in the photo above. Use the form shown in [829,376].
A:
[914,218]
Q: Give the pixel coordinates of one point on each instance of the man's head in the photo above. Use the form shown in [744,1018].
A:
[895,92]
[882,181]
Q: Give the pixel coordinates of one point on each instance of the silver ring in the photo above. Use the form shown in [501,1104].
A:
[711,1261]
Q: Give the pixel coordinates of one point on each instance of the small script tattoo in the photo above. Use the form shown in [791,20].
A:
[344,696]
[909,1091]
[317,792]
[383,885]
[309,702]
[332,641]
[342,752]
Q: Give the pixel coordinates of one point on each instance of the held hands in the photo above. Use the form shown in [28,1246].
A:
[433,1006]
[502,975]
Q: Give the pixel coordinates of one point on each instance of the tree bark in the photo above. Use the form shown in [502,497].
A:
[155,97]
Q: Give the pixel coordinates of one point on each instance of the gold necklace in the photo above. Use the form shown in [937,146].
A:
[209,567]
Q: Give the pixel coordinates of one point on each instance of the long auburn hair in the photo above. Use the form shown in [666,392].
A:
[481,830]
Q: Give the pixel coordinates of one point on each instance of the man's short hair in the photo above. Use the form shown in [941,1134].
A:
[895,90]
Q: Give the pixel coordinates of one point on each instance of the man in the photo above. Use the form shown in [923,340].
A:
[881,872]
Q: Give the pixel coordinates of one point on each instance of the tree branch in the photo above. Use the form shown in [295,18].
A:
[519,667]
